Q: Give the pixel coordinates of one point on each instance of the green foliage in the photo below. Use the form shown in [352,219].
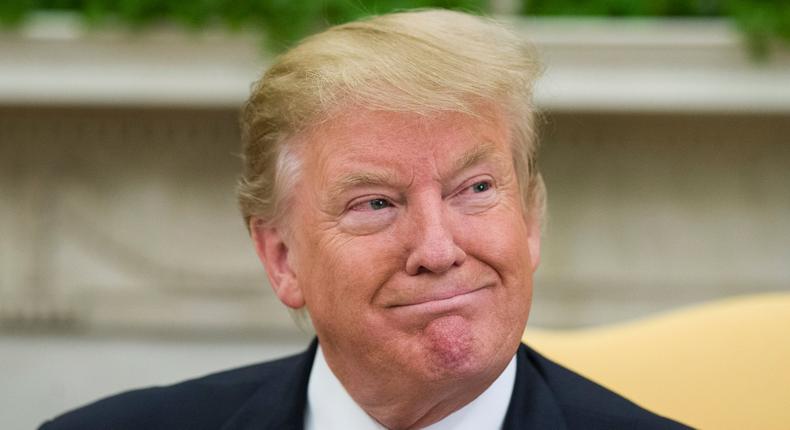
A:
[13,12]
[617,8]
[760,20]
[284,21]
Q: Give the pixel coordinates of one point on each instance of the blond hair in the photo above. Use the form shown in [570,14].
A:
[425,61]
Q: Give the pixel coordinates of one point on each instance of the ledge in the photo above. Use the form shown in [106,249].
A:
[55,61]
[655,65]
[591,65]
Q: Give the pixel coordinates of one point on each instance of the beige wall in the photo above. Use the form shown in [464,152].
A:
[123,220]
[654,211]
[126,219]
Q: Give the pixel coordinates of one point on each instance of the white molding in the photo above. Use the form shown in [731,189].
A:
[655,65]
[55,61]
[643,65]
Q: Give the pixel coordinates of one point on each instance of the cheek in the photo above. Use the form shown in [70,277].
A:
[500,240]
[500,243]
[344,275]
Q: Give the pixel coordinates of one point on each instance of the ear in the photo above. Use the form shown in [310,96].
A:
[533,241]
[273,252]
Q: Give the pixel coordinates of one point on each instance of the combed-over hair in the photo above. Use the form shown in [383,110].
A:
[425,61]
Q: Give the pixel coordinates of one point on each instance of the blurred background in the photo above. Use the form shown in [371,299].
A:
[124,262]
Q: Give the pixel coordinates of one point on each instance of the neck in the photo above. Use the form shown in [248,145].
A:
[413,413]
[401,401]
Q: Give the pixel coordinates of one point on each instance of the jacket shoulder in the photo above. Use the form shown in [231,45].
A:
[587,405]
[201,403]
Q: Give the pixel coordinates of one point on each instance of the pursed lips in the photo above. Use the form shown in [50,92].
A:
[436,295]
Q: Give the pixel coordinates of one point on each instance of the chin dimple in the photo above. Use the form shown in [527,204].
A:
[450,341]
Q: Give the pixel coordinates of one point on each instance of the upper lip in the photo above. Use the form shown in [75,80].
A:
[436,293]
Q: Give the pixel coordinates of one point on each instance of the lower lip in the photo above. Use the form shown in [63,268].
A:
[443,305]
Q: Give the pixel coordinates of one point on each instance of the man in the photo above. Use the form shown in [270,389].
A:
[391,190]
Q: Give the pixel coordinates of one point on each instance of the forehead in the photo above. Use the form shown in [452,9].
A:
[399,139]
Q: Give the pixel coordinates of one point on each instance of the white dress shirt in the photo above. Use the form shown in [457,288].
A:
[330,407]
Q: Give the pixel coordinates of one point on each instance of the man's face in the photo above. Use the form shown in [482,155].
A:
[409,245]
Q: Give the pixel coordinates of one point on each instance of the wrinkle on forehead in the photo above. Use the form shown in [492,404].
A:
[405,132]
[354,114]
[381,177]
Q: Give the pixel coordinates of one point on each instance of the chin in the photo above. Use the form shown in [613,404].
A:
[453,350]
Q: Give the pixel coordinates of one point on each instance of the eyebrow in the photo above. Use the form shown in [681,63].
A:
[474,156]
[471,158]
[358,180]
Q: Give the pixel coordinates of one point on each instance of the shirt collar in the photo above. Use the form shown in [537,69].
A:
[330,407]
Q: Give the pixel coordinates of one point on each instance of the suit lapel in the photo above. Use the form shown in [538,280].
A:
[532,405]
[281,403]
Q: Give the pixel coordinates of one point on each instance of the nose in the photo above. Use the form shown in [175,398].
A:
[432,246]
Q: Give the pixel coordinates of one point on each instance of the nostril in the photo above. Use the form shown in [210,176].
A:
[428,259]
[431,244]
[422,270]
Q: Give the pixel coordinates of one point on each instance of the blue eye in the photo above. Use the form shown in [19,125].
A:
[481,187]
[377,204]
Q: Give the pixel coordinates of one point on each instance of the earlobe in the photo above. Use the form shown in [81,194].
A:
[272,250]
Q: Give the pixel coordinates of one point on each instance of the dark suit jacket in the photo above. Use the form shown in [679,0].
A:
[273,395]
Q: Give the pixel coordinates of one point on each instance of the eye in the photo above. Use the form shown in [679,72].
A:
[371,205]
[369,214]
[377,204]
[476,194]
[480,187]
[477,188]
